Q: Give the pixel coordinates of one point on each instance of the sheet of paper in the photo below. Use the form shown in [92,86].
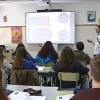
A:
[37,98]
[19,95]
[65,97]
[40,68]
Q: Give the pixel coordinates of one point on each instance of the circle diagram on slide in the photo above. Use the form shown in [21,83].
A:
[56,28]
[63,18]
[41,33]
[63,35]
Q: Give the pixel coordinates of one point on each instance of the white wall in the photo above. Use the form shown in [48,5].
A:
[16,13]
[80,10]
[16,17]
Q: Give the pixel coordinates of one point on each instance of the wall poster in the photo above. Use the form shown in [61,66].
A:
[16,35]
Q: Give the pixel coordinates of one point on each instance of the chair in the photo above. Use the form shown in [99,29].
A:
[49,64]
[86,76]
[84,63]
[86,81]
[24,77]
[9,57]
[66,76]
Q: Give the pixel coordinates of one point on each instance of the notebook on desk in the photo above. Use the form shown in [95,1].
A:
[65,97]
[40,68]
[25,96]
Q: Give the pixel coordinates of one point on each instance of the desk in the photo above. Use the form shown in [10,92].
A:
[46,72]
[46,91]
[61,93]
[8,50]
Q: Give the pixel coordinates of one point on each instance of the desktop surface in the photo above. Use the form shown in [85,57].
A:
[49,92]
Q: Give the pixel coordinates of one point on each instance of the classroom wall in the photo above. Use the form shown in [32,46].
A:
[16,17]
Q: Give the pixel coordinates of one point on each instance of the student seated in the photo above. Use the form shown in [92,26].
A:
[67,63]
[94,93]
[80,55]
[21,61]
[29,57]
[47,54]
[3,96]
[4,65]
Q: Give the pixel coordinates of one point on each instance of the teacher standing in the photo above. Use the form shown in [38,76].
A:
[97,41]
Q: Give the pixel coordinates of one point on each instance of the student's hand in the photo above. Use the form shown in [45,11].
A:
[90,41]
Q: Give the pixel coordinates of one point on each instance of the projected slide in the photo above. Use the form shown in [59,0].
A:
[52,26]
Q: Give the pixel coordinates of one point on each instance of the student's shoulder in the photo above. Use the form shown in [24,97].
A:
[77,62]
[37,55]
[5,61]
[81,95]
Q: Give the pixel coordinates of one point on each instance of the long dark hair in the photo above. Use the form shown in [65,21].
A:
[47,50]
[67,58]
[19,45]
[1,56]
[3,96]
[21,54]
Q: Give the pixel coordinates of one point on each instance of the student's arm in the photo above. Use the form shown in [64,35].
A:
[56,67]
[37,59]
[90,41]
[88,59]
[7,65]
[30,58]
[33,66]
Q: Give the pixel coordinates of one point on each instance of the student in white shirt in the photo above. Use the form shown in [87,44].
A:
[4,65]
[97,42]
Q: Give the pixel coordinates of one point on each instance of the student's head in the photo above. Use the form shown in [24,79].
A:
[67,58]
[95,68]
[2,94]
[97,28]
[47,50]
[2,54]
[80,46]
[21,54]
[18,46]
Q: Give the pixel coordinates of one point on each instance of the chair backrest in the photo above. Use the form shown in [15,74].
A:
[66,76]
[84,63]
[25,77]
[49,64]
[9,57]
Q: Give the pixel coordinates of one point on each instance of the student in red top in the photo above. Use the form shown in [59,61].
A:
[94,93]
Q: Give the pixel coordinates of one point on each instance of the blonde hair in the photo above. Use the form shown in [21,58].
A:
[95,68]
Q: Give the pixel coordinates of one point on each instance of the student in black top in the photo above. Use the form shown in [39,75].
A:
[67,63]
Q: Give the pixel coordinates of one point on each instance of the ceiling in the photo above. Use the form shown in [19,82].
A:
[51,1]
